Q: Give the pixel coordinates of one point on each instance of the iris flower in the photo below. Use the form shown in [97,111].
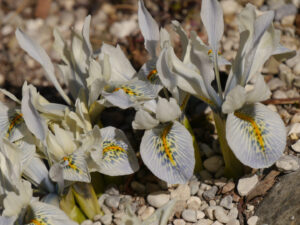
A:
[254,133]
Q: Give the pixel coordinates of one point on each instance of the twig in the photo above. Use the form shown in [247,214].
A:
[282,101]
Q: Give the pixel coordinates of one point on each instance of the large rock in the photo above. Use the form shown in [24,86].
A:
[281,206]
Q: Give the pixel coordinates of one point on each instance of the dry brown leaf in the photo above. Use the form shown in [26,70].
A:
[263,186]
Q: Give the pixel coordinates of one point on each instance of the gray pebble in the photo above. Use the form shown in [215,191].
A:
[112,191]
[194,187]
[97,223]
[226,202]
[106,219]
[210,194]
[87,222]
[158,199]
[112,201]
[189,215]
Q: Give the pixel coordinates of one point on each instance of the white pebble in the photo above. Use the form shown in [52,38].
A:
[179,222]
[106,219]
[217,223]
[252,220]
[194,202]
[296,146]
[204,222]
[287,163]
[233,222]
[221,215]
[148,212]
[158,199]
[87,222]
[245,185]
[189,215]
[200,215]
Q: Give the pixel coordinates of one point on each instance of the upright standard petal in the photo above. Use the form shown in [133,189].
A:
[144,121]
[234,100]
[39,54]
[115,156]
[33,120]
[149,29]
[212,18]
[256,135]
[168,152]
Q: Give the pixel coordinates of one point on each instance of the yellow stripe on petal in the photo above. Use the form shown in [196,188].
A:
[128,91]
[152,75]
[39,222]
[14,122]
[69,163]
[166,144]
[257,129]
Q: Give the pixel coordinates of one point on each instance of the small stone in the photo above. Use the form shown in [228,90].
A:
[250,207]
[138,187]
[97,217]
[288,20]
[158,199]
[245,185]
[194,203]
[112,191]
[87,222]
[296,146]
[272,107]
[279,94]
[179,222]
[233,213]
[292,93]
[203,206]
[194,187]
[296,69]
[221,215]
[275,83]
[213,163]
[220,172]
[208,152]
[212,203]
[217,223]
[296,118]
[204,222]
[285,10]
[226,202]
[189,215]
[179,206]
[287,163]
[228,187]
[97,223]
[210,194]
[233,222]
[205,175]
[141,210]
[200,215]
[182,192]
[209,212]
[112,201]
[106,219]
[252,220]
[294,129]
[148,212]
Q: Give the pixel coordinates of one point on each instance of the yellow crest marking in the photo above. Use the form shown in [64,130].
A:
[256,128]
[166,145]
[126,90]
[113,148]
[18,118]
[152,74]
[70,164]
[34,221]
[209,51]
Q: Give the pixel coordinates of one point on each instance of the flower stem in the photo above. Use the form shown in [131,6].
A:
[233,167]
[217,73]
[198,161]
